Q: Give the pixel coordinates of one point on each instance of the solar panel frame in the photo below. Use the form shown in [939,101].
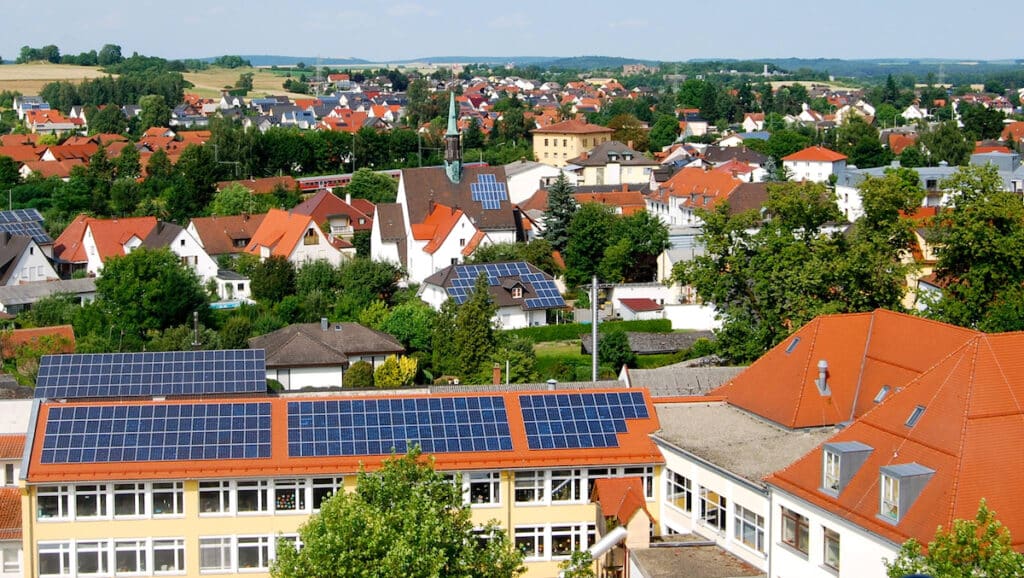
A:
[579,420]
[167,373]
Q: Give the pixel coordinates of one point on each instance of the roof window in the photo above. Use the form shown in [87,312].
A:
[915,416]
[792,345]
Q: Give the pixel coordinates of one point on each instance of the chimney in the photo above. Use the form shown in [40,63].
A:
[496,375]
[348,198]
[324,324]
[822,381]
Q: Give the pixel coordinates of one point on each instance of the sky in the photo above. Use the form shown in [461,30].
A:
[411,29]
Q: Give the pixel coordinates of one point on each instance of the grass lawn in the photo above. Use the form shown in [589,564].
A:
[562,360]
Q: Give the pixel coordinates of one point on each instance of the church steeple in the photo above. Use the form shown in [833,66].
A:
[452,146]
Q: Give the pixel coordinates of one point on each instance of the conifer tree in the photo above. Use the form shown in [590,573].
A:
[561,208]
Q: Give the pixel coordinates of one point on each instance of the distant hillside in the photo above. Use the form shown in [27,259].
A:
[274,60]
[491,60]
[596,62]
[881,67]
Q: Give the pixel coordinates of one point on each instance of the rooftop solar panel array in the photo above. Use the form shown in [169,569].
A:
[579,420]
[25,222]
[379,426]
[152,374]
[488,191]
[545,291]
[171,432]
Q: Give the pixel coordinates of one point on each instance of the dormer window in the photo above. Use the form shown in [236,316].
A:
[517,292]
[900,486]
[839,463]
[311,237]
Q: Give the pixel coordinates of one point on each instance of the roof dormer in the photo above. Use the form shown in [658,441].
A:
[840,461]
[900,486]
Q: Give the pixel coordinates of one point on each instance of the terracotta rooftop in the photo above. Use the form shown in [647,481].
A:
[15,338]
[10,514]
[12,446]
[264,185]
[324,205]
[572,126]
[280,231]
[218,235]
[620,498]
[639,305]
[818,154]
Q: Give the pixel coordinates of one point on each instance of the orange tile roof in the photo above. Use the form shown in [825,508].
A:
[10,514]
[982,149]
[325,204]
[66,152]
[634,447]
[20,153]
[59,169]
[197,137]
[436,227]
[1014,130]
[68,245]
[899,142]
[698,187]
[14,339]
[818,154]
[12,446]
[281,231]
[263,186]
[111,235]
[971,434]
[864,351]
[620,498]
[572,126]
[473,243]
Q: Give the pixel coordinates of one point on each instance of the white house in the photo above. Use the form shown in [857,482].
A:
[914,113]
[815,164]
[23,261]
[296,238]
[524,178]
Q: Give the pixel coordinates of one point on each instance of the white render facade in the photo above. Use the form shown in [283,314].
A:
[32,266]
[814,171]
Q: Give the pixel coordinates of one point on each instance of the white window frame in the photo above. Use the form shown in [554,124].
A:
[62,494]
[748,526]
[830,471]
[570,480]
[101,493]
[679,488]
[101,549]
[580,537]
[713,513]
[140,549]
[224,547]
[830,557]
[63,551]
[176,490]
[261,545]
[133,494]
[10,558]
[483,489]
[334,484]
[889,498]
[174,545]
[294,489]
[529,482]
[535,535]
[223,490]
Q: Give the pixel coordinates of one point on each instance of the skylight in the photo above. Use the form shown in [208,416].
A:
[792,345]
[882,393]
[915,416]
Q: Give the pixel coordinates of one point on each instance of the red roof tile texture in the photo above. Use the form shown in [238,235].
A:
[620,498]
[12,446]
[818,154]
[10,514]
[63,334]
[572,126]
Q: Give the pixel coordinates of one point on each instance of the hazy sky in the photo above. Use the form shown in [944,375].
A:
[381,31]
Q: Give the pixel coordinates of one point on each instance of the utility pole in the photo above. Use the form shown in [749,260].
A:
[593,329]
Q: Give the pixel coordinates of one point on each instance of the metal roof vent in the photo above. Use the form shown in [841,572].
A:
[822,381]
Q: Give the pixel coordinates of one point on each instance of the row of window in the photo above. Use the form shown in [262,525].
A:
[712,511]
[796,533]
[105,501]
[571,486]
[899,484]
[555,541]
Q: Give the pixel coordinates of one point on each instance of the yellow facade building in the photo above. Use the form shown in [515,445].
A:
[555,144]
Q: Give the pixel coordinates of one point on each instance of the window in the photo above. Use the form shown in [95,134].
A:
[529,487]
[252,496]
[566,539]
[484,487]
[462,242]
[91,501]
[214,497]
[830,471]
[565,142]
[324,488]
[290,495]
[10,561]
[545,142]
[215,553]
[91,558]
[9,474]
[53,502]
[832,549]
[914,416]
[680,491]
[182,242]
[890,507]
[129,500]
[169,555]
[566,486]
[795,530]
[517,292]
[712,509]
[645,473]
[253,552]
[130,556]
[311,237]
[55,559]
[168,499]
[530,541]
[748,528]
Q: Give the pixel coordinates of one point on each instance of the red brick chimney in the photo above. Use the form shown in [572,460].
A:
[496,375]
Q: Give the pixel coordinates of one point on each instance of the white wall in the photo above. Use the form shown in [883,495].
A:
[32,266]
[860,553]
[423,264]
[849,201]
[692,316]
[524,184]
[322,250]
[14,416]
[300,377]
[656,291]
[187,246]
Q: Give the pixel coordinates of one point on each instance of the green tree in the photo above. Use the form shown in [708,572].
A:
[404,520]
[979,244]
[109,54]
[395,372]
[912,157]
[235,332]
[374,315]
[561,208]
[517,354]
[359,375]
[235,199]
[273,279]
[664,132]
[149,289]
[947,143]
[444,355]
[363,281]
[473,136]
[108,119]
[411,323]
[860,142]
[474,337]
[372,186]
[589,235]
[154,111]
[641,238]
[971,548]
[613,349]
[9,176]
[580,565]
[980,121]
[629,131]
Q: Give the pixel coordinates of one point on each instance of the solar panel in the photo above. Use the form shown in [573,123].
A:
[488,191]
[25,222]
[152,374]
[547,294]
[379,426]
[579,420]
[165,432]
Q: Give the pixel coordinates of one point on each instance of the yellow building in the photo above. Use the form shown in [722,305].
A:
[204,485]
[556,144]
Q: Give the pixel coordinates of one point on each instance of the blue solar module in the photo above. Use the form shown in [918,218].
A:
[541,292]
[366,427]
[488,191]
[25,222]
[579,420]
[167,432]
[152,374]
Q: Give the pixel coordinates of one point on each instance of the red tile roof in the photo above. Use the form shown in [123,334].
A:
[58,169]
[620,498]
[12,446]
[864,351]
[971,434]
[12,340]
[325,204]
[817,154]
[697,187]
[20,153]
[473,243]
[218,235]
[639,305]
[899,142]
[436,227]
[1013,130]
[10,514]
[264,185]
[634,447]
[572,126]
[280,231]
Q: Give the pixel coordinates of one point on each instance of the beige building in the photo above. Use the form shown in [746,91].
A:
[612,163]
[554,145]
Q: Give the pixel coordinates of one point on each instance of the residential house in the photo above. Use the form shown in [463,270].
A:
[557,143]
[522,293]
[23,261]
[228,235]
[17,298]
[51,122]
[640,309]
[49,169]
[612,163]
[341,218]
[298,239]
[24,104]
[218,504]
[316,355]
[190,250]
[524,178]
[914,113]
[676,200]
[87,242]
[753,121]
[27,222]
[815,164]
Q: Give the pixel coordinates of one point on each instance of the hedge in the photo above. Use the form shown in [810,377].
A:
[569,331]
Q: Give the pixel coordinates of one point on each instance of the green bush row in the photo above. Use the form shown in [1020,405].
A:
[574,330]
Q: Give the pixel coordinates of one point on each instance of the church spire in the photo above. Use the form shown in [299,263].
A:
[452,146]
